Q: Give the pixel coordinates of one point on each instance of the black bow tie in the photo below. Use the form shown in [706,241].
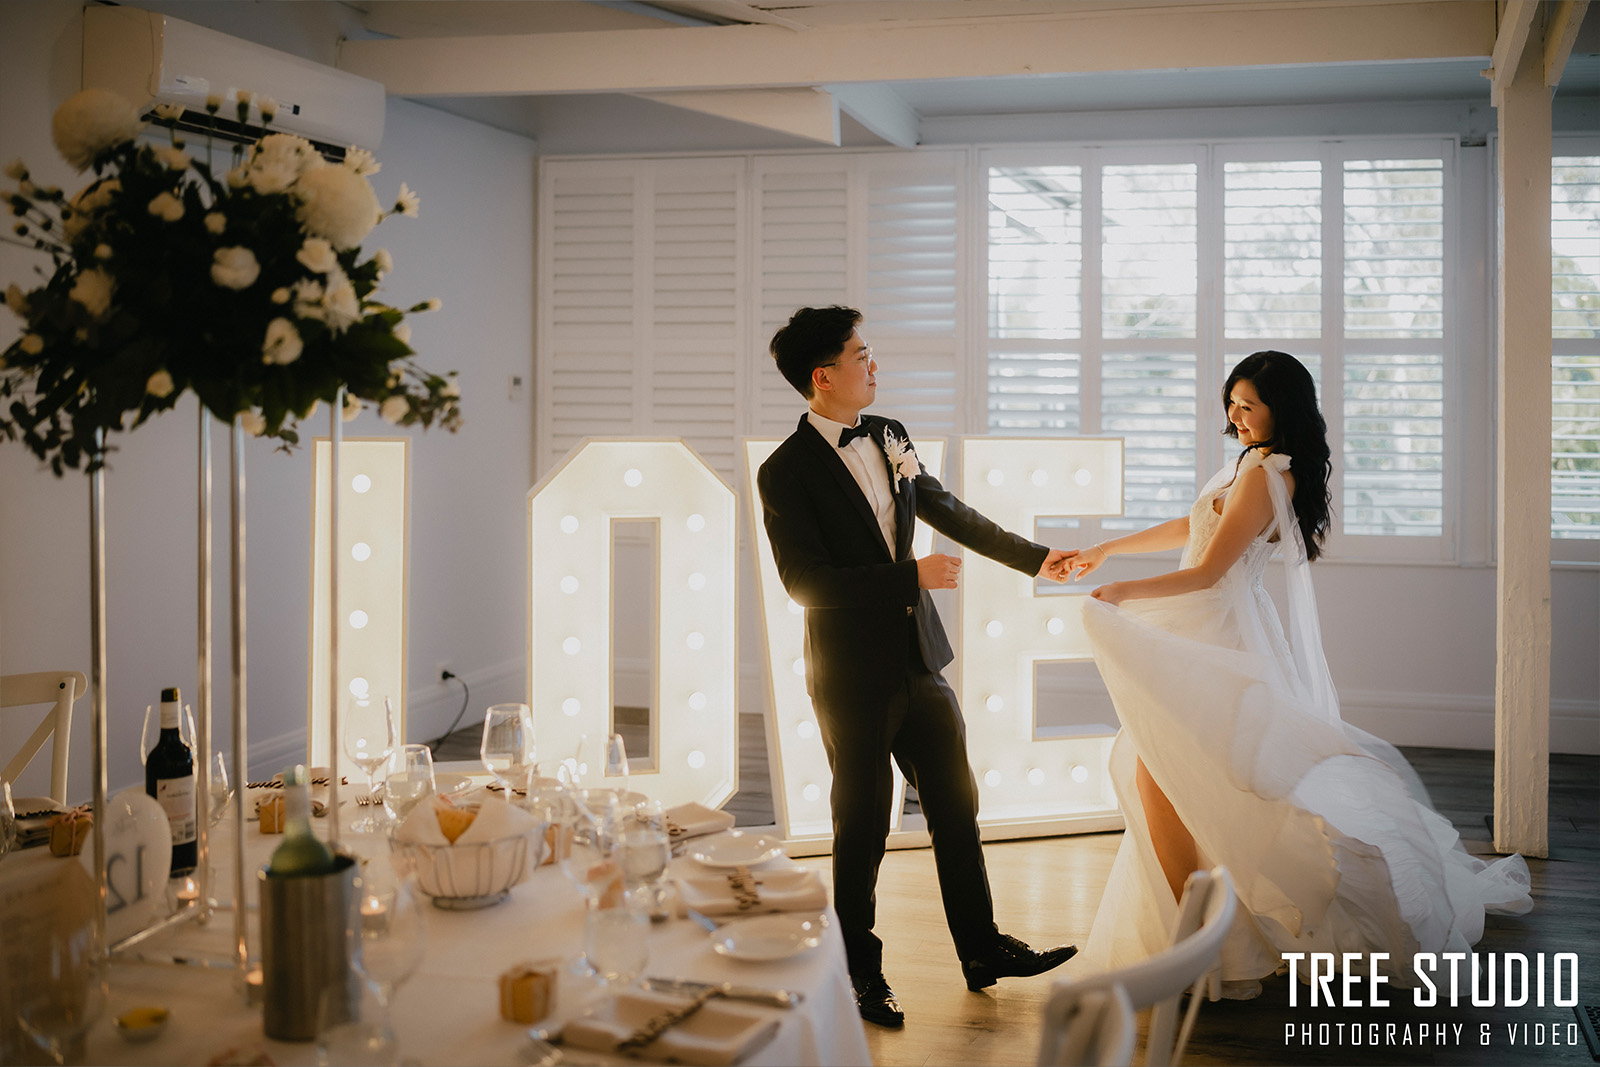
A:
[850,433]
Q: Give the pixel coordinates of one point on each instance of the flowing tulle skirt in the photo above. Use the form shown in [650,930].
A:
[1327,831]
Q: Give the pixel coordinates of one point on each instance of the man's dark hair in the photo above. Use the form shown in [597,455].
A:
[812,337]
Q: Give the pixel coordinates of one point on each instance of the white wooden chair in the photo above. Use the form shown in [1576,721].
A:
[1089,1025]
[59,689]
[1204,916]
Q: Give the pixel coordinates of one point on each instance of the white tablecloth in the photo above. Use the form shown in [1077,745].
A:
[448,1013]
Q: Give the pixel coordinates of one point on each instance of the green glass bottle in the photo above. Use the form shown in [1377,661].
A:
[301,853]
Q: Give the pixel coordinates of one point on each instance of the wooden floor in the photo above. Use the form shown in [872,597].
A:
[1046,891]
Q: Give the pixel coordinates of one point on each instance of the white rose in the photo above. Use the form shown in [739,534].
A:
[17,300]
[338,204]
[159,385]
[32,344]
[352,407]
[166,206]
[283,344]
[402,333]
[394,409]
[91,123]
[253,423]
[93,290]
[407,202]
[216,222]
[234,268]
[317,255]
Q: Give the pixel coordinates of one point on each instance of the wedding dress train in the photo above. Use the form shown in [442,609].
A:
[1326,829]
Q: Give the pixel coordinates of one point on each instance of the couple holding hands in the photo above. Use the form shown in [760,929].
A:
[1331,843]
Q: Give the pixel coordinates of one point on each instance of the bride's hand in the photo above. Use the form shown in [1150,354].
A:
[1112,594]
[1080,561]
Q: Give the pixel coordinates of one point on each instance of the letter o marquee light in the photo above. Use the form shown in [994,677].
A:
[570,513]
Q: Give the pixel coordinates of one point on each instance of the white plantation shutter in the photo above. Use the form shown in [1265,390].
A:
[1393,381]
[1272,249]
[1575,329]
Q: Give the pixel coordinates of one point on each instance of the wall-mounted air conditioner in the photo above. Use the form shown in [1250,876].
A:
[151,59]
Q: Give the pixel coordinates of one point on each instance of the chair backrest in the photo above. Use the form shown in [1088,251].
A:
[59,689]
[1092,1027]
[1205,914]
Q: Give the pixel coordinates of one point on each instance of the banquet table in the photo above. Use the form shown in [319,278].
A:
[448,1012]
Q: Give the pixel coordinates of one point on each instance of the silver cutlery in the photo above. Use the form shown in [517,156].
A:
[776,998]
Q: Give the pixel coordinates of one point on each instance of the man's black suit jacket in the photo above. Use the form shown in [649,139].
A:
[833,561]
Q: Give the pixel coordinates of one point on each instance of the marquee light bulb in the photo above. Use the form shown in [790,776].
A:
[812,792]
[697,701]
[1055,626]
[991,778]
[1082,476]
[360,551]
[994,628]
[1035,776]
[696,522]
[696,641]
[572,646]
[358,620]
[697,582]
[569,524]
[697,759]
[361,483]
[570,707]
[1039,478]
[806,730]
[800,668]
[632,477]
[1080,773]
[358,686]
[996,702]
[569,584]
[996,477]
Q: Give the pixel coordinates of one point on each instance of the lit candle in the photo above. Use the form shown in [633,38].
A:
[374,914]
[188,892]
[253,986]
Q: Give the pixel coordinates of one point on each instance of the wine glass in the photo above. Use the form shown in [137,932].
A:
[369,741]
[63,997]
[393,930]
[410,780]
[221,787]
[508,749]
[645,848]
[355,1030]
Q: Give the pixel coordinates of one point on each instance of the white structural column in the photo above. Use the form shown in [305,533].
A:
[1522,673]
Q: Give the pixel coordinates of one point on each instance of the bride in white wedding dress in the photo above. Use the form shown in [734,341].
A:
[1232,750]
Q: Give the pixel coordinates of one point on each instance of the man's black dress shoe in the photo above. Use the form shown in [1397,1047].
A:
[876,1002]
[1011,958]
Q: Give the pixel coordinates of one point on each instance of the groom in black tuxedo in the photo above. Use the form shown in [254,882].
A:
[840,499]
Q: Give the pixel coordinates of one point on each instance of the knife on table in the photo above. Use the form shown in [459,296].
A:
[684,987]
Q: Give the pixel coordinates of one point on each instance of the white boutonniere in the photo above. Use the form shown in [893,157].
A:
[903,459]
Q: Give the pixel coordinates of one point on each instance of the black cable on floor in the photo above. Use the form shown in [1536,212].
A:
[466,696]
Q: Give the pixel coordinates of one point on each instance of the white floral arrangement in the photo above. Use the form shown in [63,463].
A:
[250,290]
[902,457]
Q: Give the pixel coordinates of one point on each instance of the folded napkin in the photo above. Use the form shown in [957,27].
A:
[495,819]
[745,892]
[718,1033]
[696,820]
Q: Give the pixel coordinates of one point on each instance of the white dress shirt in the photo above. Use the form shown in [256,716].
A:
[866,463]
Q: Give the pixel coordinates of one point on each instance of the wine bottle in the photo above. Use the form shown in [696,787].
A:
[301,853]
[169,777]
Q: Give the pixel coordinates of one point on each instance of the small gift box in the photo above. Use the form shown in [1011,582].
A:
[271,814]
[68,831]
[528,991]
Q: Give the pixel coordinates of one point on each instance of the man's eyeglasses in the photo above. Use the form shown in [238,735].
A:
[862,360]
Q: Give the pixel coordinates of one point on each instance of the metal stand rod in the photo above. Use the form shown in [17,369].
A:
[203,673]
[336,438]
[97,682]
[241,768]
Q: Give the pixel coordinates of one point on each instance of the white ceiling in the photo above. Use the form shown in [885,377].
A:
[588,121]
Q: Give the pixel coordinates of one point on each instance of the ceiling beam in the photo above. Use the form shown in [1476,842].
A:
[1509,43]
[750,57]
[1565,20]
[809,113]
[882,111]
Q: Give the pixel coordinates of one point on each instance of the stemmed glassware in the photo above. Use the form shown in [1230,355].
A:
[62,999]
[355,1031]
[645,848]
[369,740]
[410,780]
[221,787]
[508,750]
[8,818]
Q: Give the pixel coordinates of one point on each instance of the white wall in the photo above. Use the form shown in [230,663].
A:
[473,248]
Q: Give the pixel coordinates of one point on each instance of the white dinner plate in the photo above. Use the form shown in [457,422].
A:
[735,848]
[764,938]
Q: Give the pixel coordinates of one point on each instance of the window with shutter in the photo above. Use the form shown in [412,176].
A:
[1575,329]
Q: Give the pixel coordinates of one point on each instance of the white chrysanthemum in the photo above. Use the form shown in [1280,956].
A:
[235,267]
[213,102]
[352,407]
[93,290]
[394,409]
[166,206]
[338,204]
[17,300]
[32,344]
[159,385]
[16,170]
[433,303]
[283,345]
[452,389]
[361,161]
[384,260]
[173,157]
[317,255]
[308,299]
[253,423]
[170,112]
[92,122]
[340,305]
[402,333]
[216,223]
[268,108]
[407,202]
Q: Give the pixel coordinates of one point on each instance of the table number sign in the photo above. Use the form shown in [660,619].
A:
[138,855]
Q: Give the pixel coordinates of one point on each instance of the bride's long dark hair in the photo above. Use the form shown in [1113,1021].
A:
[1298,431]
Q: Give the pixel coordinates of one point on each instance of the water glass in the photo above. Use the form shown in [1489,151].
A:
[221,787]
[508,749]
[369,740]
[393,929]
[616,943]
[355,1035]
[410,780]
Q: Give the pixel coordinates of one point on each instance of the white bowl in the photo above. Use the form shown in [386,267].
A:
[471,875]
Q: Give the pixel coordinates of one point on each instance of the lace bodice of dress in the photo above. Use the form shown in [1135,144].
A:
[1204,518]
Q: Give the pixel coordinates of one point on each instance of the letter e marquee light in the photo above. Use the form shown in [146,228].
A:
[570,517]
